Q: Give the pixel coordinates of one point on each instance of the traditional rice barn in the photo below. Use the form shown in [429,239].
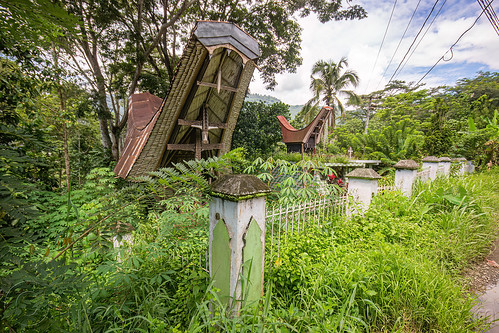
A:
[198,115]
[306,139]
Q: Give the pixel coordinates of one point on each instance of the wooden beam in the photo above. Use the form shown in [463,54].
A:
[214,85]
[181,146]
[197,149]
[192,146]
[183,122]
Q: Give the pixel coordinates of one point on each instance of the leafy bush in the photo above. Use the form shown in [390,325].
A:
[397,267]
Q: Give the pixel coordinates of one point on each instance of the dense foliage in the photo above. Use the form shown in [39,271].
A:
[405,121]
[75,266]
[257,130]
[134,44]
[82,250]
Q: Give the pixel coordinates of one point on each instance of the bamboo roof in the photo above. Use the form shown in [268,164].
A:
[198,116]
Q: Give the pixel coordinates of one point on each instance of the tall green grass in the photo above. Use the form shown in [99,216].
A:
[398,267]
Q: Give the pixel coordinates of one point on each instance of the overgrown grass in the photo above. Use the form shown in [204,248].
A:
[396,268]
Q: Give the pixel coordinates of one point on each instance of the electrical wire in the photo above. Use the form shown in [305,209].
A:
[457,41]
[400,42]
[422,37]
[491,15]
[415,38]
[382,42]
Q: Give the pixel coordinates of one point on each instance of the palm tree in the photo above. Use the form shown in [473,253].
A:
[331,80]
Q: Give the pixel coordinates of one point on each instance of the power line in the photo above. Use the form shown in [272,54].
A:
[400,42]
[457,41]
[424,34]
[490,13]
[382,42]
[415,38]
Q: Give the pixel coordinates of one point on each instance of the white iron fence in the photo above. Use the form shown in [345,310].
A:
[288,218]
[386,188]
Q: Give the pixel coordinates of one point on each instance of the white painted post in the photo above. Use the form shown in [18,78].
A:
[405,176]
[462,165]
[444,164]
[237,238]
[431,162]
[471,167]
[122,236]
[362,186]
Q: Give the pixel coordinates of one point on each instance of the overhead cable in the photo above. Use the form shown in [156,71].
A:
[422,37]
[415,38]
[490,13]
[382,42]
[457,41]
[400,42]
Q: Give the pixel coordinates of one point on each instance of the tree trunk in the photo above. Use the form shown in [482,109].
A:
[66,154]
[368,115]
[62,106]
[104,133]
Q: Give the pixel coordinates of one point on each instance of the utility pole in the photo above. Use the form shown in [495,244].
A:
[367,123]
[368,114]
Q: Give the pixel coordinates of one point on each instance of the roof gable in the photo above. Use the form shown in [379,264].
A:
[199,114]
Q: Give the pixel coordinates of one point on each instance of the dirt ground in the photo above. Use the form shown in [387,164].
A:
[486,272]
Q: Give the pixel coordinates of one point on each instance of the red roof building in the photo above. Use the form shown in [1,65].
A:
[306,139]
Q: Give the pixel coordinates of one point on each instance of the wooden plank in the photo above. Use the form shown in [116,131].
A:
[192,146]
[214,85]
[183,122]
[181,146]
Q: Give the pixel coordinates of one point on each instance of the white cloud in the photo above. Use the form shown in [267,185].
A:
[359,41]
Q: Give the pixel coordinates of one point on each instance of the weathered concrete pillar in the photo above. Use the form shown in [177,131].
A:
[362,186]
[444,164]
[461,161]
[431,163]
[470,167]
[237,238]
[405,176]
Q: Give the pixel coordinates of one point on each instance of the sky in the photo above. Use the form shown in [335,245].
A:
[359,41]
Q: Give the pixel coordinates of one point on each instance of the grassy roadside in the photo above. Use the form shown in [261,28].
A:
[398,268]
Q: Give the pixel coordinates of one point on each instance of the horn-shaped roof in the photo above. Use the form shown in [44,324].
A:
[292,135]
[199,114]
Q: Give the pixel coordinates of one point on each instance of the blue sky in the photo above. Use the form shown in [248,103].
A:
[360,40]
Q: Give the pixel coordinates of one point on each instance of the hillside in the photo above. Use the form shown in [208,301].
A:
[267,99]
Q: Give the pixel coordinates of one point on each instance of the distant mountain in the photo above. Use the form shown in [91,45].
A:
[294,109]
[267,99]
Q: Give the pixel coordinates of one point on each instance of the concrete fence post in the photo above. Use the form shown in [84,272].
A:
[405,175]
[461,168]
[444,163]
[362,186]
[470,167]
[431,163]
[237,238]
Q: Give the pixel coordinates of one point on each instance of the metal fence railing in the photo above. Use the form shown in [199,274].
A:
[386,188]
[288,218]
